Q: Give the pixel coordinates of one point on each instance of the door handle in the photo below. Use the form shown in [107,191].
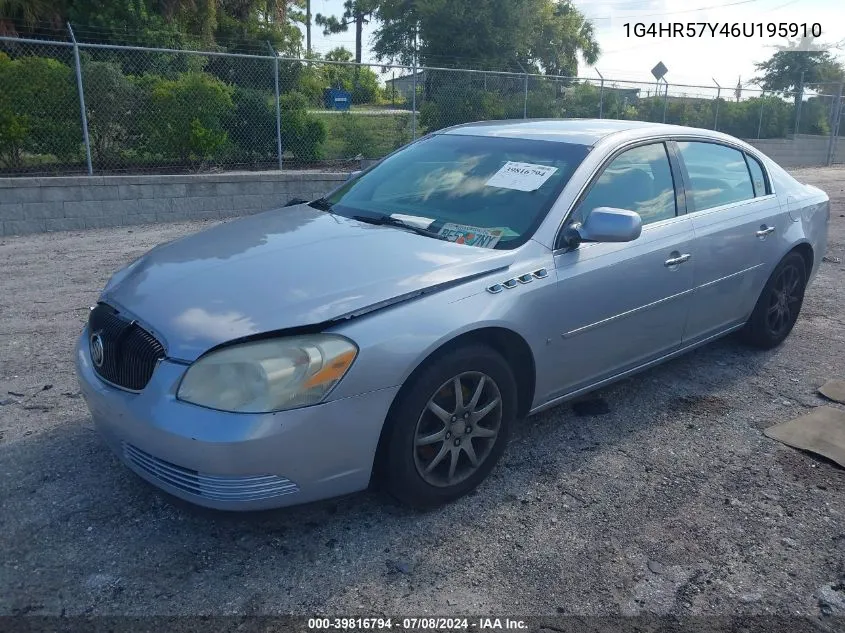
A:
[765,230]
[674,261]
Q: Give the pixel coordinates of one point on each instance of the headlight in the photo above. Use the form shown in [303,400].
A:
[271,375]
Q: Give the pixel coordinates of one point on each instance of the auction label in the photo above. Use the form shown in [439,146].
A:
[521,176]
[479,625]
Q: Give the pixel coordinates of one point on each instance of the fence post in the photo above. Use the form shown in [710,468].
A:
[82,112]
[414,101]
[278,105]
[838,128]
[760,123]
[799,101]
[601,94]
[834,128]
[665,100]
[525,99]
[718,96]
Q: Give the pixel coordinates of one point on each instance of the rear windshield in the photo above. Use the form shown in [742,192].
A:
[478,190]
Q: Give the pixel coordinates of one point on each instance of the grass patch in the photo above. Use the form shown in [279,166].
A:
[351,134]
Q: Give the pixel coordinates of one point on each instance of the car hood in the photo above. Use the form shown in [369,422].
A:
[285,268]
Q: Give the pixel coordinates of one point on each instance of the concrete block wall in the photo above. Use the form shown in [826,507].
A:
[801,150]
[34,205]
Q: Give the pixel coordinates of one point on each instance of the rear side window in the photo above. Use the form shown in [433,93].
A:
[718,174]
[757,176]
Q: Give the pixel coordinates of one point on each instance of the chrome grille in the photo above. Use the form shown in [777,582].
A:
[216,487]
[130,353]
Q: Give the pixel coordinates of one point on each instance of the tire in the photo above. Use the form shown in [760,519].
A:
[779,304]
[427,475]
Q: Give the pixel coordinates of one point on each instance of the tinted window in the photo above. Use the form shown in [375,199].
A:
[718,174]
[757,177]
[502,186]
[640,180]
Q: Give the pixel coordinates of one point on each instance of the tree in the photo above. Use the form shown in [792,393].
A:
[357,12]
[166,23]
[560,34]
[541,35]
[361,82]
[784,70]
[29,12]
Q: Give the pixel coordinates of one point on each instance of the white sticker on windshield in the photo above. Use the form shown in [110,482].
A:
[471,235]
[413,220]
[521,176]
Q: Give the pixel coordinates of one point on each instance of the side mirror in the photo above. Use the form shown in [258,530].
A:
[606,224]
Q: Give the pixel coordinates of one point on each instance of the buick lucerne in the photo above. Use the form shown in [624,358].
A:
[398,327]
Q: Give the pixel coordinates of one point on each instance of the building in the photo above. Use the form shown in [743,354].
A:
[403,87]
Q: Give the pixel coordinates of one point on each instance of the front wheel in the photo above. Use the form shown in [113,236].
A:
[449,427]
[779,304]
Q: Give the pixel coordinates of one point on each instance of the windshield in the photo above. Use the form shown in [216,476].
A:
[482,191]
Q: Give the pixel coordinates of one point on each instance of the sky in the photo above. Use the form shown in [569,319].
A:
[690,61]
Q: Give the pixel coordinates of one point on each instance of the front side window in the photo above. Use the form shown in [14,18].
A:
[639,179]
[718,174]
[478,190]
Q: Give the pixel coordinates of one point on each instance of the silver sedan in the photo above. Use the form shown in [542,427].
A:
[396,329]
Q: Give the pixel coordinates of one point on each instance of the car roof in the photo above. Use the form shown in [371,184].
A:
[578,131]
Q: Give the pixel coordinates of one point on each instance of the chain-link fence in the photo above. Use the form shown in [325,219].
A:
[68,107]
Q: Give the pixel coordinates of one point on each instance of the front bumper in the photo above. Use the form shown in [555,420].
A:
[234,461]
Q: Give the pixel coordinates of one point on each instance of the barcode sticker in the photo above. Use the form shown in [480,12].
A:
[521,176]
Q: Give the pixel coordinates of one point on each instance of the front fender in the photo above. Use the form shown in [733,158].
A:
[395,342]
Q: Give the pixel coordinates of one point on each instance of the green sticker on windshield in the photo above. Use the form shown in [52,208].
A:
[471,235]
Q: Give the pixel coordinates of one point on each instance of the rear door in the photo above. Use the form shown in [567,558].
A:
[736,220]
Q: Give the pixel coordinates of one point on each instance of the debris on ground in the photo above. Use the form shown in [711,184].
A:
[590,406]
[834,390]
[821,431]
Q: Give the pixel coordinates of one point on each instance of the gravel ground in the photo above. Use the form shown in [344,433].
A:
[672,503]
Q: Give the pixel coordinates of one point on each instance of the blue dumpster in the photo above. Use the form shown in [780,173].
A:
[336,99]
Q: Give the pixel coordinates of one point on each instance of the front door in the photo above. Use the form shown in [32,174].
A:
[620,305]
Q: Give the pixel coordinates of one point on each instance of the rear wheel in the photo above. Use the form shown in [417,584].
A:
[779,304]
[449,427]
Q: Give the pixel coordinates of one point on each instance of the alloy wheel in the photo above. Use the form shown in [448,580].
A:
[784,300]
[457,429]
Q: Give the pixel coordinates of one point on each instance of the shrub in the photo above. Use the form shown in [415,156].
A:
[39,110]
[251,125]
[112,102]
[451,104]
[185,117]
[359,138]
[302,134]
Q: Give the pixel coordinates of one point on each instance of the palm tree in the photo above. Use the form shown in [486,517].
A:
[30,13]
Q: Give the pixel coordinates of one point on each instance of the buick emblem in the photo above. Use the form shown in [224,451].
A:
[97,351]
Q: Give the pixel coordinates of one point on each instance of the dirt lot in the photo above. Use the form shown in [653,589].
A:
[674,502]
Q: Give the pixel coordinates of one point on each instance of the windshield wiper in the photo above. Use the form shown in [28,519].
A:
[321,204]
[387,220]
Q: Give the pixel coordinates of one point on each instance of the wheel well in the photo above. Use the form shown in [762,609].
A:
[806,251]
[513,348]
[516,352]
